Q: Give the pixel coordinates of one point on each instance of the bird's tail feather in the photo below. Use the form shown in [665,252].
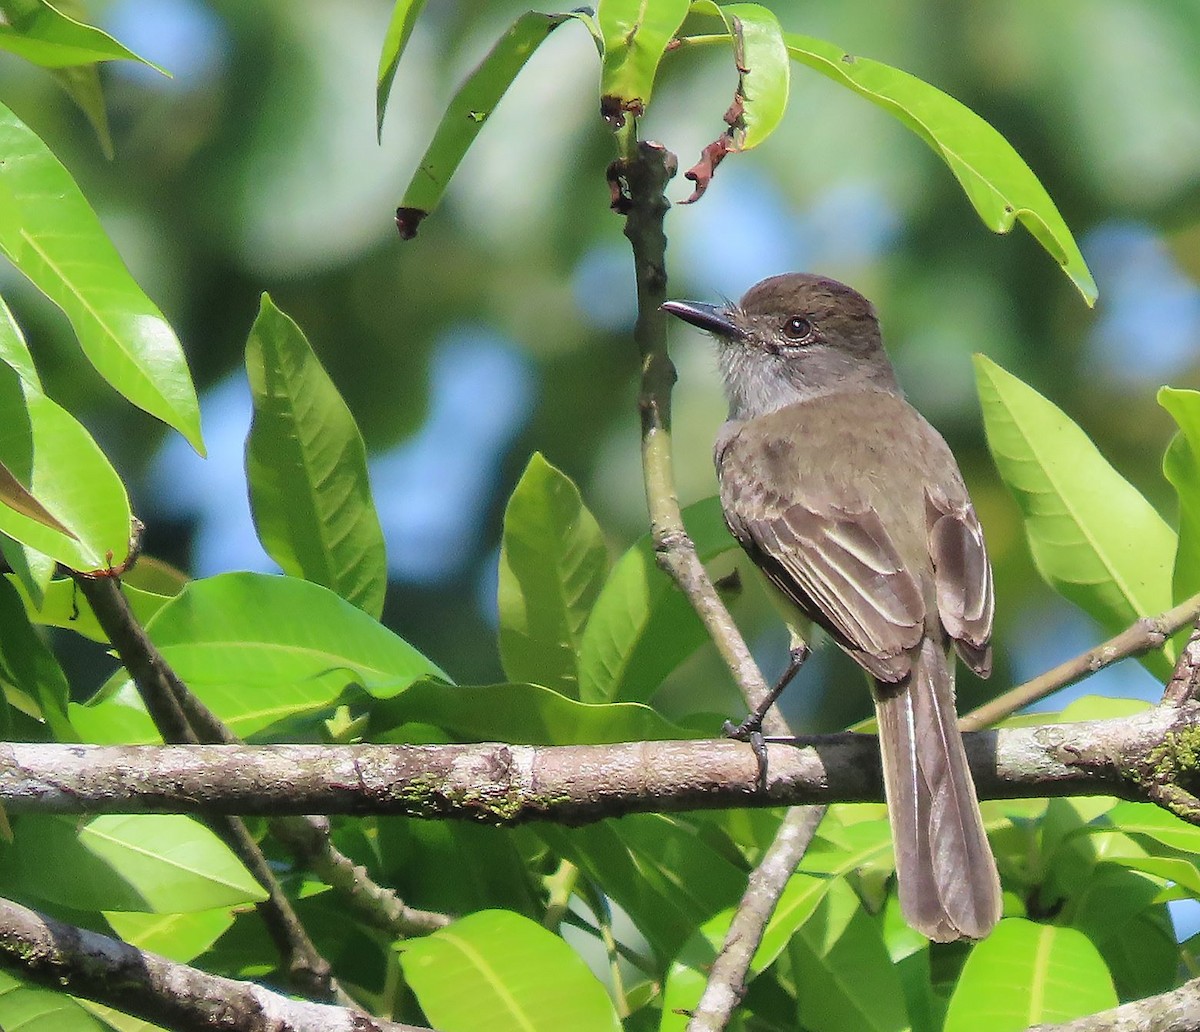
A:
[949,888]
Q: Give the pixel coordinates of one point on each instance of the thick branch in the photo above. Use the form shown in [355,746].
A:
[1138,757]
[1174,1011]
[96,967]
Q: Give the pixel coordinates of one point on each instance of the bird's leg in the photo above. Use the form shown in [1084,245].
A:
[750,729]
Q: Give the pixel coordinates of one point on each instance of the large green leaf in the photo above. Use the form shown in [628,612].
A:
[500,971]
[260,650]
[1134,934]
[404,16]
[642,626]
[995,178]
[470,108]
[524,714]
[55,462]
[38,32]
[635,34]
[1028,974]
[31,1008]
[1181,465]
[149,863]
[552,565]
[307,468]
[1094,538]
[50,233]
[180,937]
[835,954]
[63,606]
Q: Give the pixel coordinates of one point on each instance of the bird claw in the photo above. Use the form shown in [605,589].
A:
[750,730]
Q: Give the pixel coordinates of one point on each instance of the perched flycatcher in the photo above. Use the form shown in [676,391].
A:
[853,507]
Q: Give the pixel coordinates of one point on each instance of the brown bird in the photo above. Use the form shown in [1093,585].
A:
[853,507]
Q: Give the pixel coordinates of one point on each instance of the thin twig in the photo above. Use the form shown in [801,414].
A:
[1144,635]
[727,978]
[96,967]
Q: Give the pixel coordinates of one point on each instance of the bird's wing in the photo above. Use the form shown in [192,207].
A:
[962,576]
[842,570]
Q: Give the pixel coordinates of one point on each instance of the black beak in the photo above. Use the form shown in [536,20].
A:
[708,317]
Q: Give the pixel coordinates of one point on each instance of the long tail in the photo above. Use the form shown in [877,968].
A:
[949,888]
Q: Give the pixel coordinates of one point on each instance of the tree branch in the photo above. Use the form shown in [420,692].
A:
[96,967]
[1141,757]
[1175,1011]
[727,978]
[1143,635]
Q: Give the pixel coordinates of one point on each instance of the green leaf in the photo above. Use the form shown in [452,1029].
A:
[1027,974]
[500,971]
[524,714]
[32,568]
[50,461]
[42,34]
[764,67]
[404,16]
[635,34]
[30,1008]
[1094,538]
[995,178]
[837,953]
[149,863]
[688,974]
[642,626]
[1181,466]
[59,244]
[30,667]
[1156,824]
[467,113]
[260,649]
[659,870]
[552,565]
[179,937]
[82,84]
[307,468]
[1134,935]
[63,606]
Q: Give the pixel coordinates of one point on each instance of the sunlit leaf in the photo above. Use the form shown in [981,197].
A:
[59,244]
[1181,465]
[1094,538]
[42,1010]
[1028,974]
[179,937]
[525,714]
[149,863]
[994,176]
[307,468]
[500,971]
[259,650]
[63,606]
[404,16]
[552,564]
[468,111]
[58,494]
[642,626]
[47,36]
[635,34]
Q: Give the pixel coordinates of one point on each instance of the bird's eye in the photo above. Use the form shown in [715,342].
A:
[797,328]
